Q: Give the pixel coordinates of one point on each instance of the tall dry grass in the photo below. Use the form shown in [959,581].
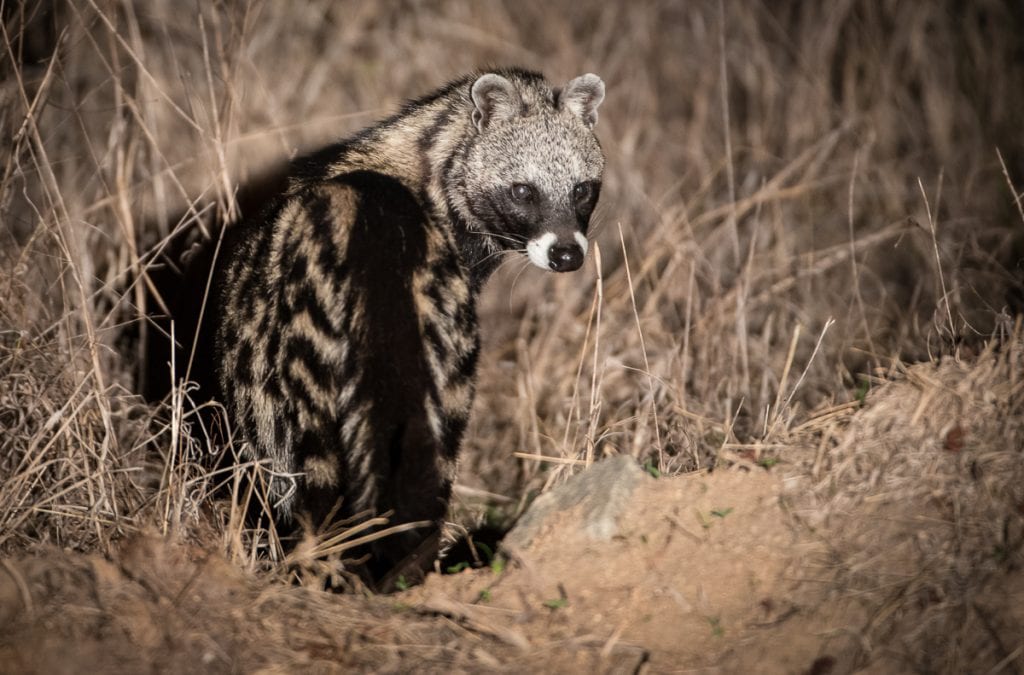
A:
[797,198]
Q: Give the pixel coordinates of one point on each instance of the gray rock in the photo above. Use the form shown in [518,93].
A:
[602,492]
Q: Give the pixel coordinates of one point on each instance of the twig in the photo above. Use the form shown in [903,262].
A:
[643,350]
[938,259]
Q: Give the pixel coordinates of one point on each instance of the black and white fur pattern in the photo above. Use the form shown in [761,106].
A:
[346,335]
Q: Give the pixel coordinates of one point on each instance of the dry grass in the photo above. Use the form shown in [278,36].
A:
[799,200]
[916,502]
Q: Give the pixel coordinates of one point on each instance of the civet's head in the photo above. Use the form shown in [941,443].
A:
[533,168]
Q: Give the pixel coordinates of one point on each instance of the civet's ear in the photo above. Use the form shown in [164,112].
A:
[582,96]
[494,99]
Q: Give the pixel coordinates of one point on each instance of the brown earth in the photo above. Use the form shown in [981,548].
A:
[742,570]
[679,586]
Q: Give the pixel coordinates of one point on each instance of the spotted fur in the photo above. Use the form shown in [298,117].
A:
[346,333]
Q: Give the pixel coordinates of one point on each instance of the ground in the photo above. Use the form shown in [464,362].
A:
[678,587]
[738,570]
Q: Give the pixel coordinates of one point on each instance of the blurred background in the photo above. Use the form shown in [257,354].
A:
[800,197]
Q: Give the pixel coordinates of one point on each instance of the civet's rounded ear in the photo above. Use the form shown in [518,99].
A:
[494,98]
[582,96]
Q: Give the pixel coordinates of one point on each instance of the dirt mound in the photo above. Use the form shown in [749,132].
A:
[698,562]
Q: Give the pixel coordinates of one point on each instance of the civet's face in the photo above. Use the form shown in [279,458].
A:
[537,176]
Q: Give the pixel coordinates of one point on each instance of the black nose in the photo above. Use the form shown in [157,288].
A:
[565,257]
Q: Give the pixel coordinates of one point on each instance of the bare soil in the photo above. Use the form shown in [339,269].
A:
[698,574]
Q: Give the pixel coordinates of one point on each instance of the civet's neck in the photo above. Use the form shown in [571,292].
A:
[417,146]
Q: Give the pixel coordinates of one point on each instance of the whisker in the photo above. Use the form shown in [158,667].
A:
[496,254]
[514,240]
[526,263]
[507,261]
[595,228]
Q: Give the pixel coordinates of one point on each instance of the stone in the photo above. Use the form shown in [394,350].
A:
[602,493]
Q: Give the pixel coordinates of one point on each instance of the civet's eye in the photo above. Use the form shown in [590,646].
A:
[522,192]
[581,192]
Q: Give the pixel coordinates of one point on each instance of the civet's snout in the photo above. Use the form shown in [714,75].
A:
[557,254]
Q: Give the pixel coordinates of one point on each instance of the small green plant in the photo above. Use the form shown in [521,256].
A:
[498,564]
[861,392]
[401,583]
[768,462]
[556,603]
[485,595]
[716,626]
[486,550]
[457,567]
[706,522]
[651,469]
